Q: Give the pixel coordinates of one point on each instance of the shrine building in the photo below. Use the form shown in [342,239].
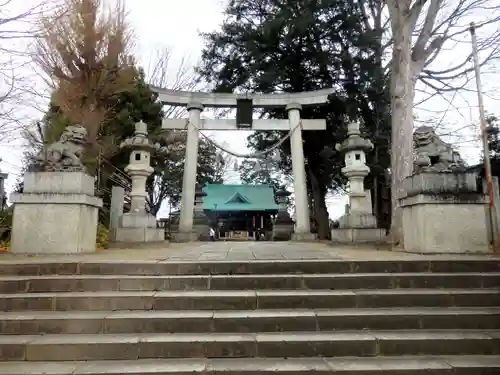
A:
[240,212]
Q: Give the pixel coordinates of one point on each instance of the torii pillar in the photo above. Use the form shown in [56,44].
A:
[302,230]
[186,231]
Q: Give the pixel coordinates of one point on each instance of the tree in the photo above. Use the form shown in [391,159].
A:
[16,27]
[172,171]
[85,55]
[127,108]
[295,46]
[494,143]
[415,46]
[95,81]
[166,181]
[254,172]
[224,163]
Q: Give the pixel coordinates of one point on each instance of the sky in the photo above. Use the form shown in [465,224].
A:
[173,24]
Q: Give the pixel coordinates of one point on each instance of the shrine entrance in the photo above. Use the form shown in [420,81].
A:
[195,102]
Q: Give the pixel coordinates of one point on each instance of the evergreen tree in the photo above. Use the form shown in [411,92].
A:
[264,174]
[293,46]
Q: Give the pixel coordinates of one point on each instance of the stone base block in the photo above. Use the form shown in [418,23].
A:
[445,224]
[137,220]
[439,183]
[139,235]
[304,237]
[358,235]
[358,220]
[139,245]
[60,222]
[282,232]
[185,237]
[202,232]
[59,183]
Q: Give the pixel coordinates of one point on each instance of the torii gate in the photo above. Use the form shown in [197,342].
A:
[196,101]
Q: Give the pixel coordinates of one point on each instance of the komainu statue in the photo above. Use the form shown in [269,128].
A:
[64,155]
[432,154]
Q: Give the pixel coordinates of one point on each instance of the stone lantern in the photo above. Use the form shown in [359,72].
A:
[139,167]
[358,223]
[355,169]
[201,225]
[138,225]
[283,226]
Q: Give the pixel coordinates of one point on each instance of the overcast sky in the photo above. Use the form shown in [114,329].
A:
[175,24]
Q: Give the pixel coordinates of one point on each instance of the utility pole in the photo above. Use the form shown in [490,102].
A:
[484,137]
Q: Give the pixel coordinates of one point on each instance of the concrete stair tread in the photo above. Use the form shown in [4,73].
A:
[253,293]
[247,276]
[259,313]
[359,335]
[354,365]
[250,299]
[333,281]
[58,265]
[251,317]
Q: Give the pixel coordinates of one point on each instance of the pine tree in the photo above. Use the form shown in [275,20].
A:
[294,46]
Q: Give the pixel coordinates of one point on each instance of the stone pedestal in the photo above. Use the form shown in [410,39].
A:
[201,226]
[57,213]
[200,230]
[185,236]
[358,226]
[139,227]
[282,230]
[358,235]
[304,237]
[444,213]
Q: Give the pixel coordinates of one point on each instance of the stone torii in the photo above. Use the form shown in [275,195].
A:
[195,102]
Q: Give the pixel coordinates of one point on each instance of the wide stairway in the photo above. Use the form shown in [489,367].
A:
[262,317]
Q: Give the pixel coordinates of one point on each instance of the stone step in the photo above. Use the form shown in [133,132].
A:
[192,321]
[64,267]
[74,347]
[248,299]
[68,283]
[407,365]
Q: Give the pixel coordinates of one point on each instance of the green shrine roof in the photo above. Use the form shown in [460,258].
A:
[239,198]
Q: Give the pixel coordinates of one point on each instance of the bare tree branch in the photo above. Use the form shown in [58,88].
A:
[17,28]
[162,74]
[85,53]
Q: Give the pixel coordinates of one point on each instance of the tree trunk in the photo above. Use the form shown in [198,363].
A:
[322,219]
[402,95]
[319,208]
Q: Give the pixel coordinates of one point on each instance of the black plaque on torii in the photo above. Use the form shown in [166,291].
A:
[244,113]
